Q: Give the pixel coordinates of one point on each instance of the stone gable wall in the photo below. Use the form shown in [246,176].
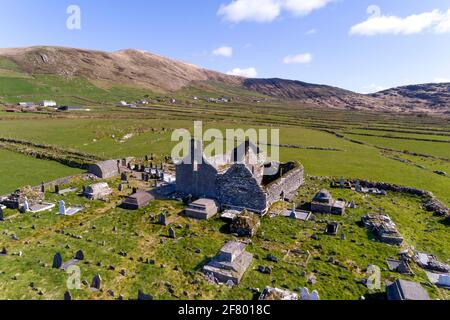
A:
[237,187]
[200,183]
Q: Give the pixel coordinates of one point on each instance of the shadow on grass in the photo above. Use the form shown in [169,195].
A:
[204,262]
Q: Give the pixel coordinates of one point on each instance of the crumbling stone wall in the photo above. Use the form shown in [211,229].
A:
[430,202]
[238,188]
[286,186]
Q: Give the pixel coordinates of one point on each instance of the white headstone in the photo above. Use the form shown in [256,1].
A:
[305,294]
[62,207]
[26,205]
[314,296]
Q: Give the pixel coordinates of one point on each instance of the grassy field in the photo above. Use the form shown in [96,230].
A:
[329,143]
[18,170]
[178,262]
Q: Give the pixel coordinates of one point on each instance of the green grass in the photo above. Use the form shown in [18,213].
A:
[100,131]
[18,170]
[183,264]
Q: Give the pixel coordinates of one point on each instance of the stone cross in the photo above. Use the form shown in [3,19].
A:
[57,261]
[171,233]
[62,207]
[96,282]
[294,211]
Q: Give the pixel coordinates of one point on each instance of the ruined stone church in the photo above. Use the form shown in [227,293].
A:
[242,179]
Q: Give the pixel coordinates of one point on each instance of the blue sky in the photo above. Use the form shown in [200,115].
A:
[335,42]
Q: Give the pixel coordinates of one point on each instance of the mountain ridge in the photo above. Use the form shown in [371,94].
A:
[146,70]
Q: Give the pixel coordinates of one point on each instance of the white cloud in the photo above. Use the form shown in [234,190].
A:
[435,20]
[304,7]
[441,80]
[263,11]
[444,25]
[248,73]
[311,32]
[250,10]
[225,51]
[299,58]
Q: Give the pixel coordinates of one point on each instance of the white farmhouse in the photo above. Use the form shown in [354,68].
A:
[48,103]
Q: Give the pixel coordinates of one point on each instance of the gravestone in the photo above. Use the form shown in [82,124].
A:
[342,183]
[124,176]
[162,219]
[171,233]
[79,255]
[144,297]
[96,282]
[67,296]
[62,207]
[2,218]
[57,261]
[314,296]
[43,187]
[358,187]
[56,189]
[305,294]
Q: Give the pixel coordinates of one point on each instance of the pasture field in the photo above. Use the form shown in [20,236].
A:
[18,170]
[322,145]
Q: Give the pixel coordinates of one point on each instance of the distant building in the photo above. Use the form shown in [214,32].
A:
[142,101]
[48,103]
[26,104]
[73,108]
[323,202]
[406,290]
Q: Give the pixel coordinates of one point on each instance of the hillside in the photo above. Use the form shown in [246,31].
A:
[146,71]
[126,67]
[431,97]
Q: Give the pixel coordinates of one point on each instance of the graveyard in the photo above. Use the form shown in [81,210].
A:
[124,252]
